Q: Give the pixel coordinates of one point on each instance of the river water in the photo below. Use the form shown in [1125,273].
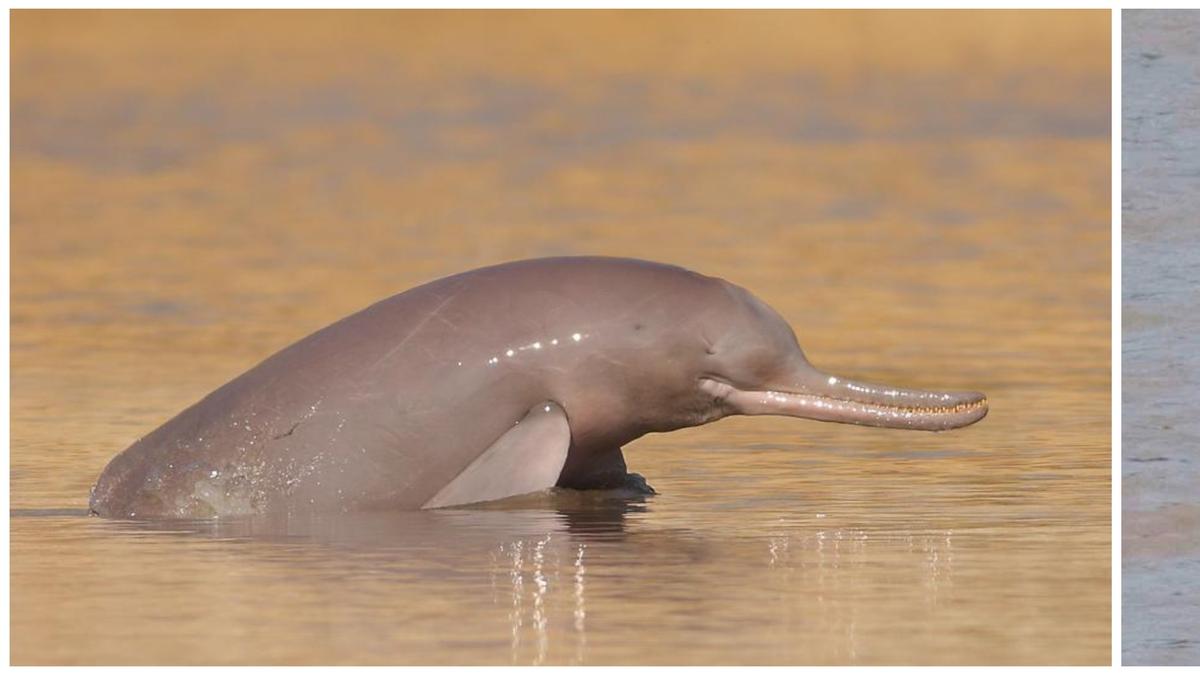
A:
[1160,463]
[924,196]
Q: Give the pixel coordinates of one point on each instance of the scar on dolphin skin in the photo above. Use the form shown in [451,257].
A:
[535,374]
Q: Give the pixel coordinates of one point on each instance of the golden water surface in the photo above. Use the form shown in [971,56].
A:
[925,197]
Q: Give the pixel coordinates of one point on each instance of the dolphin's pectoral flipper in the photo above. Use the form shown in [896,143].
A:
[527,458]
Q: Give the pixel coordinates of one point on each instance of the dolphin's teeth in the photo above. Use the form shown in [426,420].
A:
[882,409]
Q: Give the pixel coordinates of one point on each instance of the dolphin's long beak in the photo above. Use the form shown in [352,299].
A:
[819,396]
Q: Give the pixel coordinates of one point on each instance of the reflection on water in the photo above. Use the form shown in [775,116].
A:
[1160,466]
[193,192]
[543,570]
[559,582]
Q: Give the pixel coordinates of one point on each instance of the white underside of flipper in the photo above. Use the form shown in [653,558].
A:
[527,458]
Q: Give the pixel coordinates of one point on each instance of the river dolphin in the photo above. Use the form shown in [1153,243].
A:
[492,383]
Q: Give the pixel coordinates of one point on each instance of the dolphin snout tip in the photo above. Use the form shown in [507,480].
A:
[971,406]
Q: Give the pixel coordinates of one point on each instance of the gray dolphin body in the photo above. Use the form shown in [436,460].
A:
[491,383]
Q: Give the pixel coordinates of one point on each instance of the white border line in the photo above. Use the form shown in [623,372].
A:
[1116,339]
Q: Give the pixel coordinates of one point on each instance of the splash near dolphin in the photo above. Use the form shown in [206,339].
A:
[491,383]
